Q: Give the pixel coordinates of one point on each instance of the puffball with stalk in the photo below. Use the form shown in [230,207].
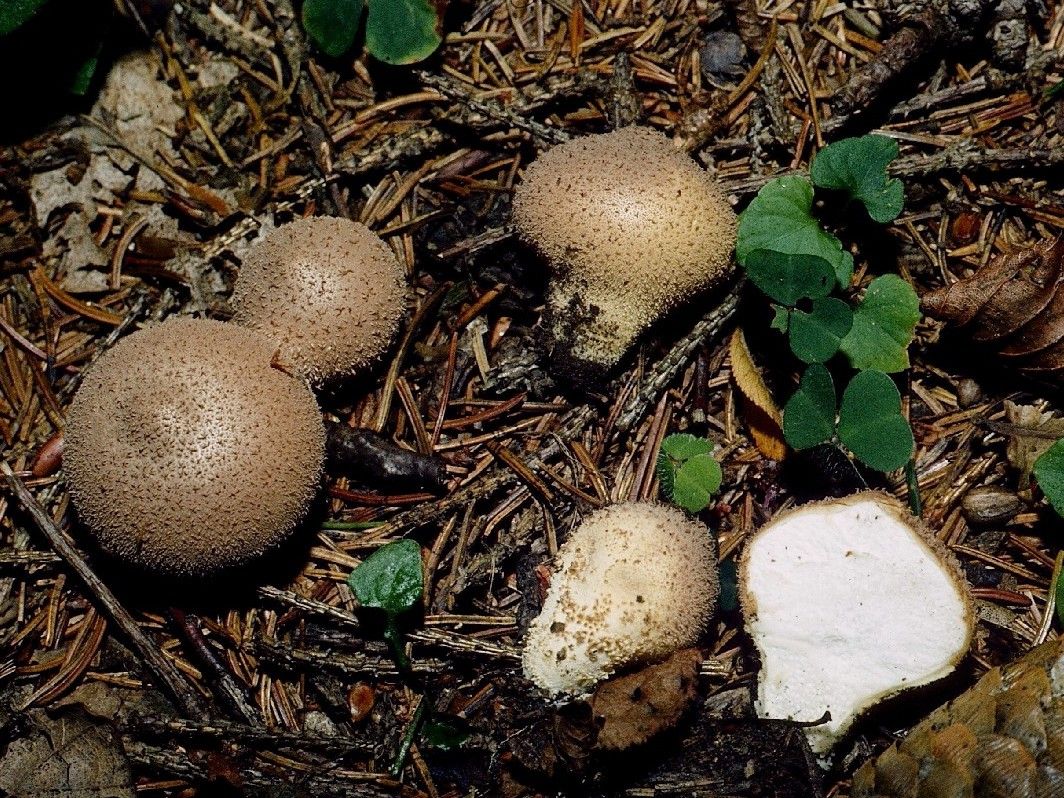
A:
[633,584]
[630,228]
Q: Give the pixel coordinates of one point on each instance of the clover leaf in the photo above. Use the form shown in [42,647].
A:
[688,473]
[883,326]
[790,278]
[871,424]
[816,336]
[780,220]
[1049,471]
[858,166]
[332,24]
[402,31]
[809,415]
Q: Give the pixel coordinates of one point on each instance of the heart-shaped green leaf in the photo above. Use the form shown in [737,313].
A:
[816,336]
[390,579]
[332,24]
[695,483]
[858,166]
[780,219]
[871,424]
[402,31]
[789,278]
[809,415]
[1049,471]
[883,326]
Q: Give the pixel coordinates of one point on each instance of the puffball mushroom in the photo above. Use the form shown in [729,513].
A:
[633,584]
[186,452]
[329,291]
[849,601]
[630,227]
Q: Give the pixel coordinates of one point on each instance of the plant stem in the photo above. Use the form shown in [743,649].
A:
[351,524]
[395,642]
[408,738]
[914,488]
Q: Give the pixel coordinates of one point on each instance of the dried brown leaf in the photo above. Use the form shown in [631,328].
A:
[1016,303]
[70,755]
[635,707]
[760,411]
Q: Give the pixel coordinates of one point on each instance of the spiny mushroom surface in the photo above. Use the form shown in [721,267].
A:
[632,584]
[327,290]
[186,452]
[849,601]
[630,227]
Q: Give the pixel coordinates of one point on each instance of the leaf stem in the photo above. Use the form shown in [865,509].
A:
[395,642]
[913,484]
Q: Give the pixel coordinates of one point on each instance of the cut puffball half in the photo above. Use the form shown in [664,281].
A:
[849,601]
[633,584]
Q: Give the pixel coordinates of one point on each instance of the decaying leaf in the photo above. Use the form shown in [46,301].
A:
[1004,737]
[635,707]
[1015,303]
[760,411]
[1032,432]
[70,755]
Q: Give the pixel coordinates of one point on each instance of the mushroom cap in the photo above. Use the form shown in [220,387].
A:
[850,601]
[630,227]
[633,584]
[329,291]
[187,452]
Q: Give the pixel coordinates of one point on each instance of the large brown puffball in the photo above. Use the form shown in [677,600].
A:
[329,291]
[633,584]
[187,452]
[630,227]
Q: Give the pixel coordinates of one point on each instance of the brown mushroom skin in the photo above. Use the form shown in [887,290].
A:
[329,291]
[188,453]
[630,228]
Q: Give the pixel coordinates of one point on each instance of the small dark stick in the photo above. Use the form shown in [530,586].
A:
[374,460]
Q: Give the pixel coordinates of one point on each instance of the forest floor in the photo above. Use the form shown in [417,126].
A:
[277,685]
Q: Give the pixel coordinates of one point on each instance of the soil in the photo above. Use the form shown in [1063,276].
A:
[210,123]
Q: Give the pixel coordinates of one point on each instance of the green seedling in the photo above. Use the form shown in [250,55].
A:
[688,474]
[390,580]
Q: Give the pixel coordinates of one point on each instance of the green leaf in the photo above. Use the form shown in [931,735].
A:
[729,586]
[858,166]
[1058,592]
[444,736]
[809,415]
[402,31]
[683,446]
[789,278]
[688,473]
[883,326]
[871,424]
[816,336]
[390,579]
[1052,91]
[332,24]
[696,481]
[782,319]
[15,13]
[780,219]
[82,79]
[1049,471]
